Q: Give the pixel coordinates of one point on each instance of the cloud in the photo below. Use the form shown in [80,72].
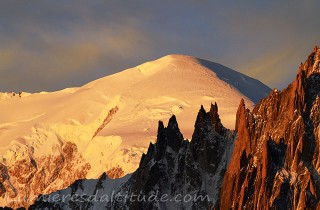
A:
[46,45]
[56,60]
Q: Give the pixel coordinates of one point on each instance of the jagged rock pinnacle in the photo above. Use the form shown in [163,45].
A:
[312,64]
[173,124]
[240,113]
[275,141]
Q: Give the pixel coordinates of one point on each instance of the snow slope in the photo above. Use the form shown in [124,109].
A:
[113,119]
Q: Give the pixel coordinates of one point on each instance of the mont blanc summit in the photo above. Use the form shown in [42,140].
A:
[106,125]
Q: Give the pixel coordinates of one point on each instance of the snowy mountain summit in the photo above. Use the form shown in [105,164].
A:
[273,162]
[48,140]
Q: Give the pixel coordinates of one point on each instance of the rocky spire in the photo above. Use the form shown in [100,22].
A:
[275,161]
[207,121]
[312,64]
[169,136]
[215,119]
[240,114]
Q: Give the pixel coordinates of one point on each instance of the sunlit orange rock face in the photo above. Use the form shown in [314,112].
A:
[115,172]
[22,182]
[275,162]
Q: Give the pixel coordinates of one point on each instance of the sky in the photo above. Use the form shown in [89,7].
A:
[50,45]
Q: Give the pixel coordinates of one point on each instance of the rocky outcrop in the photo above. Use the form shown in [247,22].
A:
[107,120]
[275,162]
[173,170]
[115,172]
[23,181]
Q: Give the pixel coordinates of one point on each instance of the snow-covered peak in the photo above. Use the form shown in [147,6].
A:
[180,57]
[173,84]
[112,120]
